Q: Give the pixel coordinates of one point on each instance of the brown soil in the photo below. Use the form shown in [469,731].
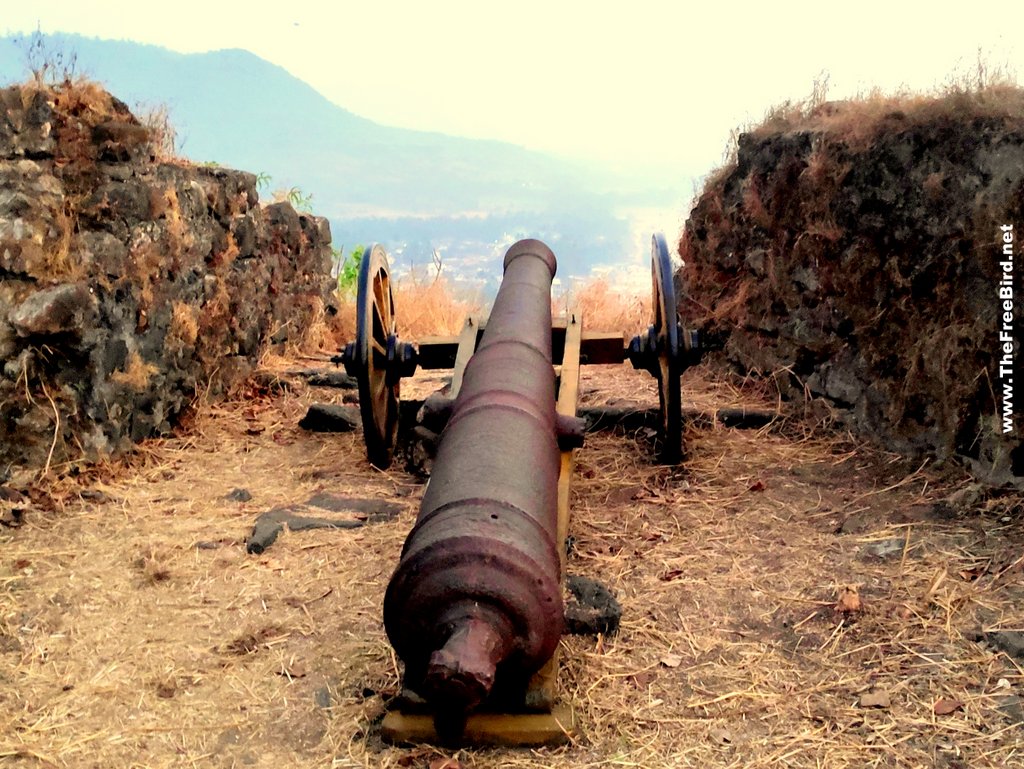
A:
[772,588]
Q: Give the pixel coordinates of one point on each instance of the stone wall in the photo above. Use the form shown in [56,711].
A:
[855,261]
[129,284]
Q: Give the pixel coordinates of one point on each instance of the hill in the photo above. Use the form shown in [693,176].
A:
[374,182]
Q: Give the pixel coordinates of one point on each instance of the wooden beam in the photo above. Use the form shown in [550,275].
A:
[467,346]
[568,395]
[597,347]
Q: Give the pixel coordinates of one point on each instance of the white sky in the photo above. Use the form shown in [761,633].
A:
[642,85]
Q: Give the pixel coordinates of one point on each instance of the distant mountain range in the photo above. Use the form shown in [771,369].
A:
[414,191]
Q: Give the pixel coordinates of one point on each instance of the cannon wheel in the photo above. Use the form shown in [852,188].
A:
[375,337]
[666,327]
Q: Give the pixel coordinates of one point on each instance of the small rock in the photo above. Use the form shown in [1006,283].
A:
[95,496]
[7,494]
[326,418]
[590,608]
[1011,706]
[53,310]
[322,697]
[337,379]
[269,382]
[1009,641]
[239,495]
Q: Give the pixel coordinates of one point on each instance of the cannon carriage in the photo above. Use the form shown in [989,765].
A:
[474,608]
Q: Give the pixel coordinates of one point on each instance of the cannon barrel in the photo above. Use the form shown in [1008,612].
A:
[476,598]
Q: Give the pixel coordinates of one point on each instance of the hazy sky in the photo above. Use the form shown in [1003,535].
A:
[640,84]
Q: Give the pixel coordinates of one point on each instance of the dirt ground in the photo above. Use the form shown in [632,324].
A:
[789,600]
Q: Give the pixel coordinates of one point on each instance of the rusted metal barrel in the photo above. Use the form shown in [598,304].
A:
[476,602]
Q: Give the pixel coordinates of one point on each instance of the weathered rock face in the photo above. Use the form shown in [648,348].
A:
[863,276]
[127,285]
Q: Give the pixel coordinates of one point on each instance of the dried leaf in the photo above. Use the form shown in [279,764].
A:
[672,660]
[876,698]
[721,735]
[641,680]
[945,707]
[849,600]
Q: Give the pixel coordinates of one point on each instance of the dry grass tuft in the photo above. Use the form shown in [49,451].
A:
[603,308]
[136,373]
[184,328]
[424,306]
[984,91]
[161,128]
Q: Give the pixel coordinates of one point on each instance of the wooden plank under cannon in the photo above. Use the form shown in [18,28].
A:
[494,729]
[543,688]
[568,397]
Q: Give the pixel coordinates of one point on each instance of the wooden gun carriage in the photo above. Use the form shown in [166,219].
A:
[474,608]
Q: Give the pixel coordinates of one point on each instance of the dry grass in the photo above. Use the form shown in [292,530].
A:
[604,308]
[430,305]
[135,631]
[161,128]
[424,305]
[984,91]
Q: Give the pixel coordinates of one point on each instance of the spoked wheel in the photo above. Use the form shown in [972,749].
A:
[376,359]
[666,329]
[665,351]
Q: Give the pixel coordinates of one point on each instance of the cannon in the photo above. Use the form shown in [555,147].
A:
[474,608]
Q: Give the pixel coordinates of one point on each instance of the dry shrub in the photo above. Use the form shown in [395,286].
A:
[163,135]
[986,92]
[317,335]
[429,307]
[733,307]
[58,262]
[82,98]
[184,328]
[423,307]
[603,308]
[753,204]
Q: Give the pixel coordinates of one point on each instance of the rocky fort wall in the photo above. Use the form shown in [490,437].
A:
[858,261]
[128,283]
